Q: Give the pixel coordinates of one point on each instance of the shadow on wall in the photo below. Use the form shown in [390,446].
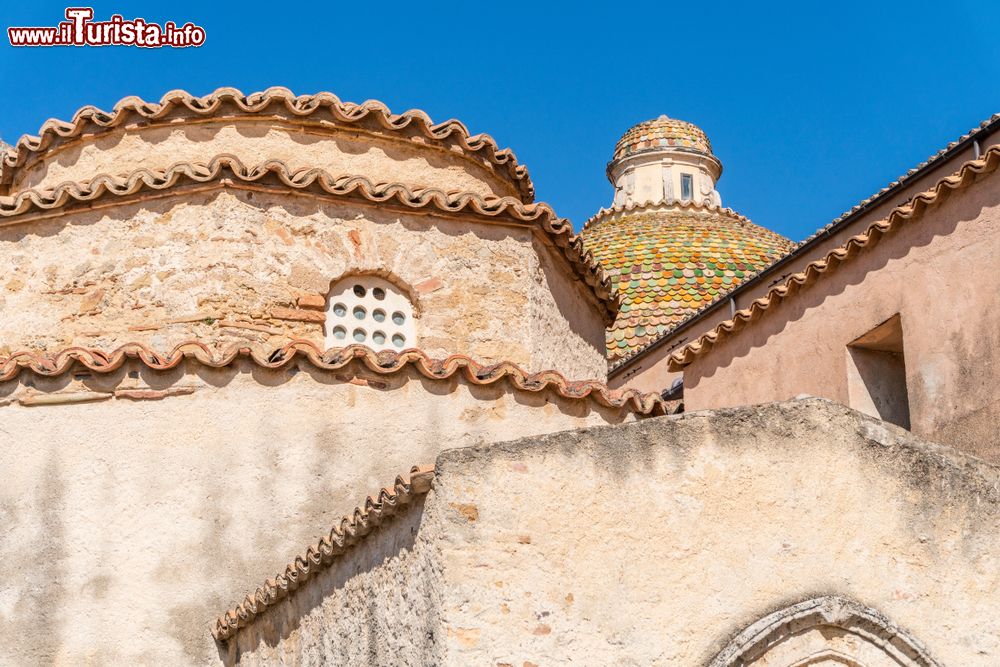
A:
[363,598]
[876,374]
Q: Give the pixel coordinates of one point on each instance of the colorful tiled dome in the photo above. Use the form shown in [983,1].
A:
[662,132]
[668,264]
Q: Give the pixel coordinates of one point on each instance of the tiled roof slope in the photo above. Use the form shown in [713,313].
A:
[662,132]
[348,359]
[228,171]
[348,531]
[909,213]
[229,101]
[667,263]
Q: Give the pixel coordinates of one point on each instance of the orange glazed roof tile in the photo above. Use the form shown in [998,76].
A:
[667,262]
[347,532]
[351,359]
[662,132]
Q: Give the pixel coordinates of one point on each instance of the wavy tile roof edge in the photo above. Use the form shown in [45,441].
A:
[350,530]
[298,105]
[559,230]
[383,363]
[908,212]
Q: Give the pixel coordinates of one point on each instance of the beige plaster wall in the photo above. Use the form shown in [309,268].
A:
[130,524]
[939,275]
[657,543]
[302,144]
[232,266]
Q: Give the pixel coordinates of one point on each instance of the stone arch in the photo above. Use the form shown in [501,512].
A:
[389,276]
[824,631]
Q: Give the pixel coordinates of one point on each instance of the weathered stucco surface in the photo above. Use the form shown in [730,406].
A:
[129,523]
[659,542]
[301,144]
[938,273]
[234,266]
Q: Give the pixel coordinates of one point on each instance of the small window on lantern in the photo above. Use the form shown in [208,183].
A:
[687,187]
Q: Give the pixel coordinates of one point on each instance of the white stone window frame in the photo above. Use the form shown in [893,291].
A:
[360,313]
[687,186]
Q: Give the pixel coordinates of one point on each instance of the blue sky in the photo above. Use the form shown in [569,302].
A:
[811,107]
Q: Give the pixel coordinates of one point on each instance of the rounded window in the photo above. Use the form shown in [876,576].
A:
[370,311]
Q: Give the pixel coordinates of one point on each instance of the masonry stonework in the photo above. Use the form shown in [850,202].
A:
[233,266]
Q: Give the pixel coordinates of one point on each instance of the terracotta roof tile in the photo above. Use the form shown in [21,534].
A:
[91,120]
[229,171]
[342,536]
[666,263]
[383,363]
[910,212]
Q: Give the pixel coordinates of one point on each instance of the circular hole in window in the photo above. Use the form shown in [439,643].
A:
[378,338]
[398,318]
[339,309]
[398,340]
[359,312]
[359,291]
[379,315]
[378,293]
[340,333]
[360,335]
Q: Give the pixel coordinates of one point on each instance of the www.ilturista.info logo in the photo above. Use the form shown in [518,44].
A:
[80,30]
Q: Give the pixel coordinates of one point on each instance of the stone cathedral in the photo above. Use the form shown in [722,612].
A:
[288,380]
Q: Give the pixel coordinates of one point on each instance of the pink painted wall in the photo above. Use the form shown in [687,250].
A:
[940,274]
